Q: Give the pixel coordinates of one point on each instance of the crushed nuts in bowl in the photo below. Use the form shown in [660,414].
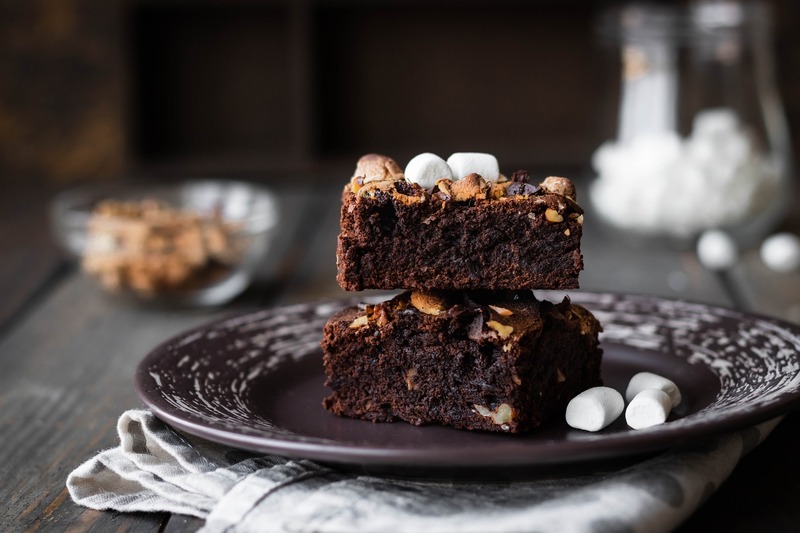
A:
[196,243]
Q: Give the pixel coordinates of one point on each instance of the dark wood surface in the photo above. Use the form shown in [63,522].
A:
[68,354]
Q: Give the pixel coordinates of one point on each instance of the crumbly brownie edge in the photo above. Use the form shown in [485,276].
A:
[512,243]
[421,368]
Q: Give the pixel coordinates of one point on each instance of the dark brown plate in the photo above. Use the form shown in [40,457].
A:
[256,382]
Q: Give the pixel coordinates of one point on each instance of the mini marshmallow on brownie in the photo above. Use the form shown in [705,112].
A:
[468,245]
[465,163]
[419,230]
[426,169]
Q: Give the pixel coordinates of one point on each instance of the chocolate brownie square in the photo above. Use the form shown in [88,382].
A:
[496,361]
[468,234]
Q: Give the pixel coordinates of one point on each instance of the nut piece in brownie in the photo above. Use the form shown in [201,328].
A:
[497,361]
[464,234]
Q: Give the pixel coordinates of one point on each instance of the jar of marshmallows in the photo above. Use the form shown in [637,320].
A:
[700,138]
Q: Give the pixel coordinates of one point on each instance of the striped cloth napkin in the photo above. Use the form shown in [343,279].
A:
[156,469]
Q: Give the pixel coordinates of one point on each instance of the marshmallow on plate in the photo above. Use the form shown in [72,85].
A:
[594,408]
[648,380]
[717,250]
[648,408]
[781,252]
[425,169]
[466,163]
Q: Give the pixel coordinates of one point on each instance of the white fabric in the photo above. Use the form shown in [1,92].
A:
[156,469]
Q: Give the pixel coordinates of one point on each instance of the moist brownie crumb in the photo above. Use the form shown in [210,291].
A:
[468,234]
[470,346]
[486,360]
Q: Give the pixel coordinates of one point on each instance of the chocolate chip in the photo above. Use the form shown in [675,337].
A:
[407,188]
[461,318]
[520,176]
[519,188]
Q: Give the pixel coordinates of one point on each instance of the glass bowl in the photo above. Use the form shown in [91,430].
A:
[696,130]
[190,243]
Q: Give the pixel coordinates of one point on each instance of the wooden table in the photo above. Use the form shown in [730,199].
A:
[68,354]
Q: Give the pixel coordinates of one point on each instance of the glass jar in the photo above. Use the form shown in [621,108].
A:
[701,136]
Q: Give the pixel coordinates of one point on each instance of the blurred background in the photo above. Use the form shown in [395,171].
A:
[279,90]
[669,124]
[287,94]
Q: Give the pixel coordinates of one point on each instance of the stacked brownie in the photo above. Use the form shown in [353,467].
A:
[469,345]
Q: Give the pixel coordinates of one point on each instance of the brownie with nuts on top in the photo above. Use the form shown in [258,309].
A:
[469,234]
[480,360]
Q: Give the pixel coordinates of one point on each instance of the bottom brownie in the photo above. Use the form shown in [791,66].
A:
[497,361]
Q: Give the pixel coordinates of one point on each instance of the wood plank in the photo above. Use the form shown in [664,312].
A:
[181,523]
[30,259]
[66,374]
[66,370]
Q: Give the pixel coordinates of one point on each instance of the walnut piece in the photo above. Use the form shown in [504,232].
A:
[498,190]
[577,217]
[149,247]
[553,216]
[411,373]
[369,189]
[359,322]
[428,302]
[444,185]
[376,167]
[502,311]
[408,199]
[559,185]
[502,415]
[501,329]
[471,186]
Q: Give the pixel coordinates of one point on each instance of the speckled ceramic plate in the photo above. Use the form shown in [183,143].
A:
[256,382]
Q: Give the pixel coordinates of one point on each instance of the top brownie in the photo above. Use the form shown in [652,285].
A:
[464,234]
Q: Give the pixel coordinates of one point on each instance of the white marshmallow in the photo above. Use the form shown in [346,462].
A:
[717,250]
[781,252]
[715,121]
[721,176]
[425,169]
[594,408]
[466,163]
[648,380]
[648,408]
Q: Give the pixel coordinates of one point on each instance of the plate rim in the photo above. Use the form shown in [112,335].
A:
[544,453]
